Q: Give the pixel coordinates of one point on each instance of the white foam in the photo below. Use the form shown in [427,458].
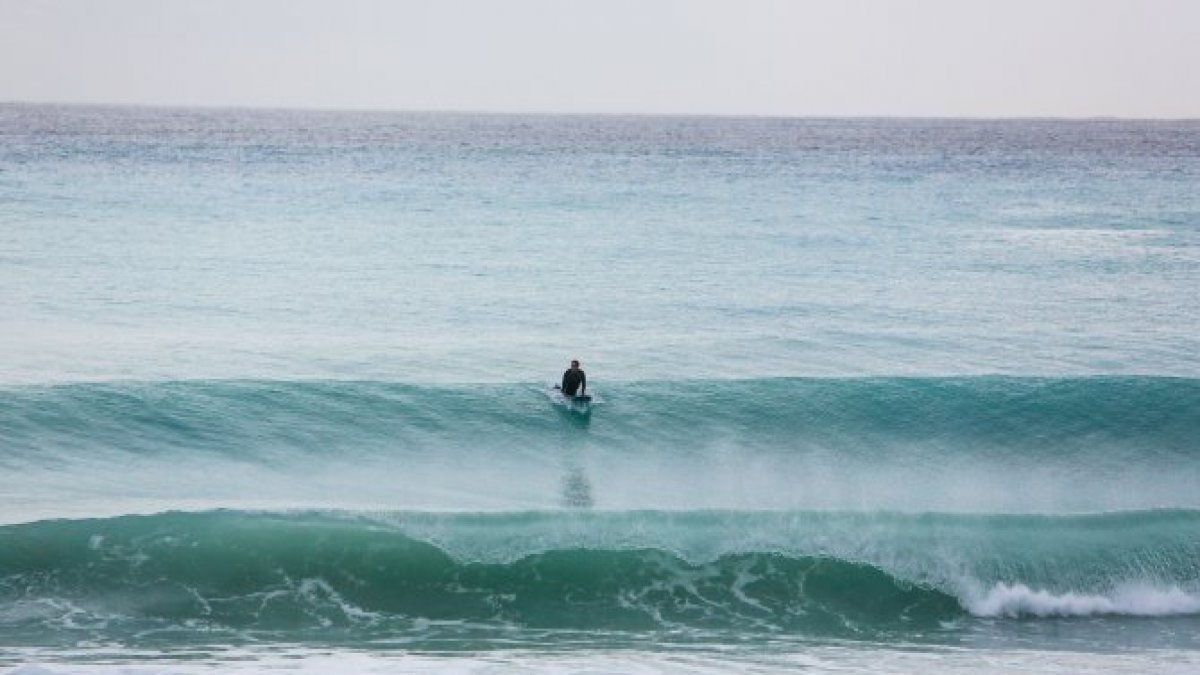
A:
[813,659]
[1129,600]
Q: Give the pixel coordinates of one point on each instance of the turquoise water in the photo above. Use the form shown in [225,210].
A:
[871,395]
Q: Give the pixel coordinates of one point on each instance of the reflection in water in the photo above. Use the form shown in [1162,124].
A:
[579,417]
[576,488]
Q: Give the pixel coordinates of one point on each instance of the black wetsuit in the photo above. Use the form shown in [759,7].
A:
[574,380]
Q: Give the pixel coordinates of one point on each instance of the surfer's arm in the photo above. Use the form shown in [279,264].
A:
[582,382]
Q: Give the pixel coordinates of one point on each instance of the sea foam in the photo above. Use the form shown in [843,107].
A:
[1134,599]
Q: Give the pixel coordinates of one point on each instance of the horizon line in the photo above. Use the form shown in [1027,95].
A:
[252,107]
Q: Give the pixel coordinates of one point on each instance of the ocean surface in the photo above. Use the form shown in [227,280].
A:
[881,396]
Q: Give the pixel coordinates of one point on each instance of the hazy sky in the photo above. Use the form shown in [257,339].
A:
[1133,58]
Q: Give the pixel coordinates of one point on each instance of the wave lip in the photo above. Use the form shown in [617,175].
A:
[1131,599]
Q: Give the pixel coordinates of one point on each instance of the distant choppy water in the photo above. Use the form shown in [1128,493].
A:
[872,395]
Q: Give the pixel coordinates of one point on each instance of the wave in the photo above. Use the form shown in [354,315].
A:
[363,576]
[848,508]
[975,444]
[1159,415]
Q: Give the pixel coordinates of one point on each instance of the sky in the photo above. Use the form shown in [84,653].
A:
[939,58]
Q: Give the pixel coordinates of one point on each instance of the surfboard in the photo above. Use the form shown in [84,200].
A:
[579,402]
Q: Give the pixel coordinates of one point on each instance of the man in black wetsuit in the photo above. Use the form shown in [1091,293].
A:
[574,380]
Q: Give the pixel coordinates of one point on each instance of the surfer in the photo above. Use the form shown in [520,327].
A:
[574,380]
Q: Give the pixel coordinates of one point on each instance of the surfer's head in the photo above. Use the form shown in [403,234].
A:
[574,363]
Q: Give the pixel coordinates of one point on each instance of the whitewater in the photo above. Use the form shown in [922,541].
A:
[870,395]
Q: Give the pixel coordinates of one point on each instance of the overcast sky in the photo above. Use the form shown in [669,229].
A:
[1072,58]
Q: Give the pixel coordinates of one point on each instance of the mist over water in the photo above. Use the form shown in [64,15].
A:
[280,381]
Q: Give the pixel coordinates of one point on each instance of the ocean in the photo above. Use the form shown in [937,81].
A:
[870,395]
